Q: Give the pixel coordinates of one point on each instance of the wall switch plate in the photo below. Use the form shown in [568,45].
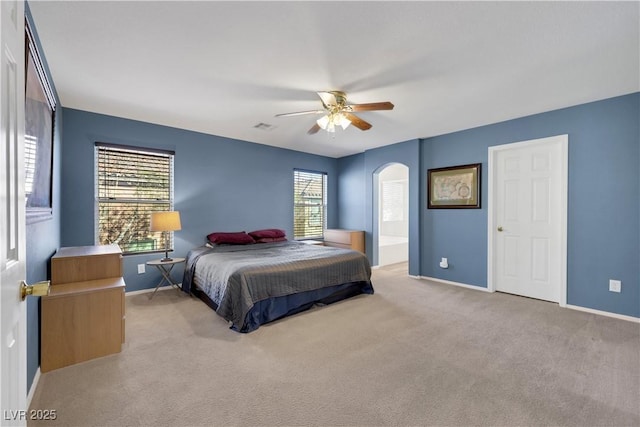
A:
[140,268]
[615,285]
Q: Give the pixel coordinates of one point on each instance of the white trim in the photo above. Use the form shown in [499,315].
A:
[32,389]
[375,267]
[569,306]
[146,291]
[449,282]
[491,223]
[563,140]
[604,313]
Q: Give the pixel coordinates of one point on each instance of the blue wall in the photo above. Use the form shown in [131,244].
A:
[458,234]
[352,190]
[220,184]
[43,238]
[603,211]
[357,198]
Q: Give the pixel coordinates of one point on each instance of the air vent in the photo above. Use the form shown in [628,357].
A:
[264,126]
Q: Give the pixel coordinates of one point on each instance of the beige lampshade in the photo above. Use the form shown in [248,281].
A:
[165,221]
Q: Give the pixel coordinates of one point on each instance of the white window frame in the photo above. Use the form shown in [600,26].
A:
[311,203]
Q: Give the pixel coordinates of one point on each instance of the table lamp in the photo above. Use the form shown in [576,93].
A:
[165,221]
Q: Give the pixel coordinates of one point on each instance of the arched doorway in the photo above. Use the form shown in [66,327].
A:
[393,215]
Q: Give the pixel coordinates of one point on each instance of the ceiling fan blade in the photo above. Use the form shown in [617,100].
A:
[374,106]
[300,113]
[357,121]
[314,129]
[328,99]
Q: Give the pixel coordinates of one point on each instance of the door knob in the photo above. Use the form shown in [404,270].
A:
[37,289]
[500,228]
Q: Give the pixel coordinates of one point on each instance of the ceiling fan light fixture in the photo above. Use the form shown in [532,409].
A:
[323,122]
[338,113]
[330,121]
[343,121]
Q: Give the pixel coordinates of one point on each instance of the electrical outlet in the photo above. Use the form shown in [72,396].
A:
[140,268]
[615,285]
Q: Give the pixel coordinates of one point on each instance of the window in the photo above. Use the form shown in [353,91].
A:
[309,204]
[39,111]
[130,184]
[393,200]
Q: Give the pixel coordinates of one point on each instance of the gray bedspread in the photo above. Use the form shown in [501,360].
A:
[236,277]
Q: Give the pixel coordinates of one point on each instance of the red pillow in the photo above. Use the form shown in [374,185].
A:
[236,238]
[271,239]
[267,232]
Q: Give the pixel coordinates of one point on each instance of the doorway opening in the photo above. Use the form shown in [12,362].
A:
[393,217]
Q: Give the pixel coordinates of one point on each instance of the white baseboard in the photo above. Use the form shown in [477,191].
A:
[449,282]
[146,291]
[572,307]
[605,313]
[32,389]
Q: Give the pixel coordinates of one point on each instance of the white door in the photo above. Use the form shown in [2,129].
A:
[527,218]
[12,215]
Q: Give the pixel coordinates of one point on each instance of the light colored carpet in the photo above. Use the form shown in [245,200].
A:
[415,353]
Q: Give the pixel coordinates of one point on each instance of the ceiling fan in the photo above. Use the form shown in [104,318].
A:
[338,113]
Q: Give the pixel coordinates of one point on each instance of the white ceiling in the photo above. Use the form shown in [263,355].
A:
[222,67]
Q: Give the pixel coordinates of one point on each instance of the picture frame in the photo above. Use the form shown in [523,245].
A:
[454,187]
[39,117]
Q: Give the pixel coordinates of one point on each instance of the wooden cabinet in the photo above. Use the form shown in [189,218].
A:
[348,239]
[83,316]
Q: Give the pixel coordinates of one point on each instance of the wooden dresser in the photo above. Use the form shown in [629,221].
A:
[348,239]
[83,316]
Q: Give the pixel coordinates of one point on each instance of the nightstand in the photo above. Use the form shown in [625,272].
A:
[165,268]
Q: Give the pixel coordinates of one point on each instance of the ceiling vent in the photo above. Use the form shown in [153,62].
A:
[264,126]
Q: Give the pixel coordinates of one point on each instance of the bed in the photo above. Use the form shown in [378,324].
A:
[252,284]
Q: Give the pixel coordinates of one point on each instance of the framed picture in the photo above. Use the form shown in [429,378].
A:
[39,117]
[455,187]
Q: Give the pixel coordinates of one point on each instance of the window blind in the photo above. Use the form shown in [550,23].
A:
[30,156]
[130,184]
[309,204]
[393,200]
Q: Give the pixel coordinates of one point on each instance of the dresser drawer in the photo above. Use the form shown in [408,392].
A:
[81,263]
[81,321]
